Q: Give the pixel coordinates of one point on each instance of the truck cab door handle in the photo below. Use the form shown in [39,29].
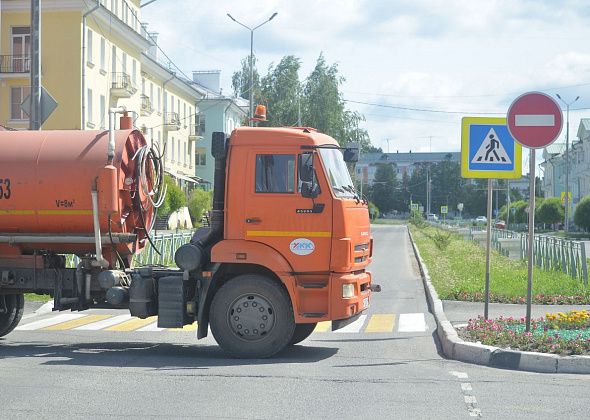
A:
[253,220]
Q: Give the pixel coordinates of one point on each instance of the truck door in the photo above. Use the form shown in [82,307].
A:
[277,214]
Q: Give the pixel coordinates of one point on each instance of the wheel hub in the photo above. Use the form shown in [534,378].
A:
[251,317]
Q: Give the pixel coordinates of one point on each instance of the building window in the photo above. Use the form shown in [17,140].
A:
[103,106]
[178,152]
[17,96]
[89,106]
[159,98]
[275,173]
[201,156]
[134,70]
[114,60]
[103,49]
[21,48]
[190,154]
[201,131]
[172,151]
[89,54]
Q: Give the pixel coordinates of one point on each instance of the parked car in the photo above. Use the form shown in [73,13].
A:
[431,217]
[481,219]
[500,224]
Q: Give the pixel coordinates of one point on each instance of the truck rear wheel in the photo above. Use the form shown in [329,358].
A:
[14,308]
[252,317]
[302,331]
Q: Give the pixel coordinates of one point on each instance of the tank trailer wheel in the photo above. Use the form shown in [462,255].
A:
[302,331]
[252,317]
[15,305]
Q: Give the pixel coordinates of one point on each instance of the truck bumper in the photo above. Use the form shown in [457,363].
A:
[343,308]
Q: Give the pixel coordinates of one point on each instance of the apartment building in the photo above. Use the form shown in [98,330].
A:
[96,55]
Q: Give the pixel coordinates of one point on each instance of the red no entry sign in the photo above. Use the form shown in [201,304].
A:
[534,120]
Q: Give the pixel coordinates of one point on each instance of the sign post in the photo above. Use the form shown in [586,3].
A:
[444,210]
[489,151]
[535,121]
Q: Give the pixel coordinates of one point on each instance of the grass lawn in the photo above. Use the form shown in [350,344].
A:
[458,273]
[389,222]
[32,297]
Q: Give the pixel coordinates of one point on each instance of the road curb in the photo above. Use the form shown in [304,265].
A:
[456,348]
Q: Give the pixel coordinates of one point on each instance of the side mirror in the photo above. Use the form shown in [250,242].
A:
[351,154]
[309,190]
[218,145]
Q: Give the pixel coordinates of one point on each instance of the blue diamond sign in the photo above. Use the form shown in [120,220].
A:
[488,150]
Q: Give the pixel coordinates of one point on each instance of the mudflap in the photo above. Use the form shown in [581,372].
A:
[205,298]
[341,323]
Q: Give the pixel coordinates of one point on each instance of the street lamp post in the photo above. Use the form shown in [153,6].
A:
[252,58]
[567,161]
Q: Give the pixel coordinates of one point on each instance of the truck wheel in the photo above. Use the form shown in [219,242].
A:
[252,317]
[15,305]
[302,331]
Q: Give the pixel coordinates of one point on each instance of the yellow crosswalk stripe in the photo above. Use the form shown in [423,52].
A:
[189,327]
[132,324]
[68,325]
[380,323]
[323,326]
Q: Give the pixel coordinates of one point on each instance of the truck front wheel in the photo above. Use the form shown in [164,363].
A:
[252,317]
[11,312]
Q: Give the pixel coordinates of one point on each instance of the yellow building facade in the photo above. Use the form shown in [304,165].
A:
[96,55]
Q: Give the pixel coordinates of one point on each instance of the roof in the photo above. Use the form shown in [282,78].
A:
[409,157]
[555,148]
[255,136]
[584,129]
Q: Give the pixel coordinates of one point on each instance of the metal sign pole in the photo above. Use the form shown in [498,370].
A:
[529,292]
[488,249]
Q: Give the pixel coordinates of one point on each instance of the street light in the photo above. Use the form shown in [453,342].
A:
[252,58]
[567,161]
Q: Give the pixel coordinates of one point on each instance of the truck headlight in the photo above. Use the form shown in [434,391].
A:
[347,290]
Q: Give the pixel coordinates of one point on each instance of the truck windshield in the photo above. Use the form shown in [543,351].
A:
[337,172]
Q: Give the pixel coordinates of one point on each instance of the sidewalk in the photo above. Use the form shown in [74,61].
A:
[460,312]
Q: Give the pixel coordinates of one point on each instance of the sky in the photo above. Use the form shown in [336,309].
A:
[443,59]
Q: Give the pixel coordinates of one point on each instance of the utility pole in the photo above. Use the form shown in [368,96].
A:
[35,115]
[428,190]
[507,203]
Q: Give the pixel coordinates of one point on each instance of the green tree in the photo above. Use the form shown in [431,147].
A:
[199,202]
[175,197]
[240,80]
[281,90]
[549,211]
[383,190]
[582,213]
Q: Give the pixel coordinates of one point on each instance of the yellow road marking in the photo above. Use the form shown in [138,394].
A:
[132,324]
[381,323]
[68,325]
[323,326]
[190,327]
[288,233]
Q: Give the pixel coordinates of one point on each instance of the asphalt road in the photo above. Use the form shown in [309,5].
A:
[395,372]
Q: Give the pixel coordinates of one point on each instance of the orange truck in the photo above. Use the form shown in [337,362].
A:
[288,246]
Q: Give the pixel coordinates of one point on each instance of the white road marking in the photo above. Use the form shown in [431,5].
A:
[354,327]
[152,327]
[474,412]
[466,386]
[470,399]
[411,323]
[534,120]
[105,323]
[460,375]
[36,325]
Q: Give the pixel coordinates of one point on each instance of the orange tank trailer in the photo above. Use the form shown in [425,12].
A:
[46,179]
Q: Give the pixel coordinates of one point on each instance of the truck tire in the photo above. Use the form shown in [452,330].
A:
[302,331]
[10,319]
[251,317]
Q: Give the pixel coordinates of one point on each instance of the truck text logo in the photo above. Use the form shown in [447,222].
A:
[302,246]
[65,203]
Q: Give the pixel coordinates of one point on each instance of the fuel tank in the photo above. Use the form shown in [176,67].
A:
[46,184]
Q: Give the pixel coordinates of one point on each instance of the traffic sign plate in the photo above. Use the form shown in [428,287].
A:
[535,120]
[488,150]
[444,209]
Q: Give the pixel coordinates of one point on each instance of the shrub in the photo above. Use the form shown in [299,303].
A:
[417,219]
[198,203]
[175,197]
[441,239]
[582,213]
[373,211]
[550,211]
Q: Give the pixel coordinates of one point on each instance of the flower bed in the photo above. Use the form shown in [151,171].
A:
[561,333]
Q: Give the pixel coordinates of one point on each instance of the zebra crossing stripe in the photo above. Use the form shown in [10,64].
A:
[380,323]
[109,322]
[132,324]
[412,323]
[323,326]
[36,325]
[69,325]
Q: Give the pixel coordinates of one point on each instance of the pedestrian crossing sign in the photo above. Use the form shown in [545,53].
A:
[488,150]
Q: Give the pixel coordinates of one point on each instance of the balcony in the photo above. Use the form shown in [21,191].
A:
[146,106]
[194,133]
[171,121]
[15,64]
[121,86]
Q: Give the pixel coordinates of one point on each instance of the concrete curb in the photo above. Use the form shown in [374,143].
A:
[456,348]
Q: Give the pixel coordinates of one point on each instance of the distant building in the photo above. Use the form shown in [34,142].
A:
[403,163]
[554,166]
